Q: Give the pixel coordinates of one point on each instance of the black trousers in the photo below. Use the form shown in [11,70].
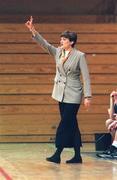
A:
[68,133]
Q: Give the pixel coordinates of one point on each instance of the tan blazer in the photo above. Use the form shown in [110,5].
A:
[67,84]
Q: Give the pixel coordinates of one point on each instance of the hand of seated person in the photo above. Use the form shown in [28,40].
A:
[113,125]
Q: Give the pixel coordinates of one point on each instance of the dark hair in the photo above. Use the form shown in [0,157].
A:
[72,36]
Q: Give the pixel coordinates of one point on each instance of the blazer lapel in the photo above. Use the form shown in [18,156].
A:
[68,64]
[64,68]
[59,64]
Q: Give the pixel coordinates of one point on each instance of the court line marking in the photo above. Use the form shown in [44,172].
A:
[111,161]
[5,174]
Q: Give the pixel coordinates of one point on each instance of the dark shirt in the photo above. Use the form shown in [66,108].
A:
[115,108]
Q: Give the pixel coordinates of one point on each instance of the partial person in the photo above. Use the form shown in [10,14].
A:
[111,125]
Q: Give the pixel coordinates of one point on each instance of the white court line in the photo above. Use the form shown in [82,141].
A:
[113,162]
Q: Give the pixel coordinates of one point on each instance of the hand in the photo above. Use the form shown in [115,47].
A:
[87,103]
[112,126]
[29,24]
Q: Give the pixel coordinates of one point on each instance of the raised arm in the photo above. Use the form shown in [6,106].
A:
[39,39]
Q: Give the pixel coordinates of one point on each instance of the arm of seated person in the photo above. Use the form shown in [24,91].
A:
[113,125]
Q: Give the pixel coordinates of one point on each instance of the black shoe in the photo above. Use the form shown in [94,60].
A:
[75,160]
[110,153]
[114,153]
[54,159]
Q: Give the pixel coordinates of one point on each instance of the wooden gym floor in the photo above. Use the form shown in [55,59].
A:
[26,161]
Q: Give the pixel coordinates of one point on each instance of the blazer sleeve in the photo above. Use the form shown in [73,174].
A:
[85,76]
[44,44]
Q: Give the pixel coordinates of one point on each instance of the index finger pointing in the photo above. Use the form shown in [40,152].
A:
[31,19]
